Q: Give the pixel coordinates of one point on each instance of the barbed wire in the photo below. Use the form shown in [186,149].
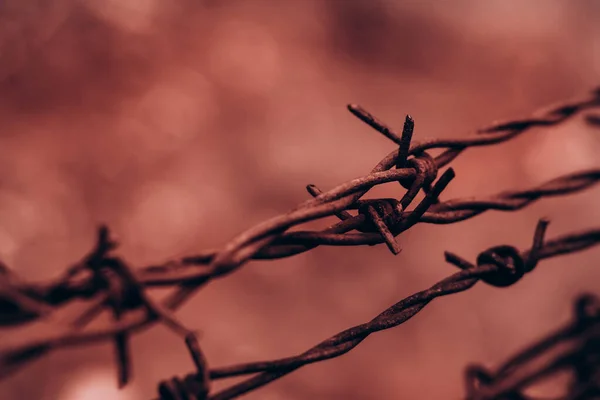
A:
[108,283]
[499,266]
[573,348]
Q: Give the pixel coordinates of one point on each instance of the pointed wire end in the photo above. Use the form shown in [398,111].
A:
[450,257]
[191,340]
[407,130]
[392,244]
[313,190]
[540,232]
[457,260]
[103,231]
[361,113]
[441,183]
[405,139]
[538,243]
[449,174]
[123,360]
[104,238]
[395,248]
[355,109]
[374,123]
[122,382]
[543,222]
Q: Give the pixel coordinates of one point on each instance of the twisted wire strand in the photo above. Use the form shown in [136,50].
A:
[111,285]
[241,248]
[449,212]
[324,204]
[405,309]
[574,347]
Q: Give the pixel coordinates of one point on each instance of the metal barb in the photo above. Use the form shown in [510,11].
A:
[407,132]
[385,232]
[108,283]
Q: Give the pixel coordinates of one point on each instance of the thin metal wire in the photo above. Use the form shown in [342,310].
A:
[494,266]
[108,283]
[574,347]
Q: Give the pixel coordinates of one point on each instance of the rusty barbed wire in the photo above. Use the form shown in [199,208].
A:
[574,347]
[498,266]
[108,283]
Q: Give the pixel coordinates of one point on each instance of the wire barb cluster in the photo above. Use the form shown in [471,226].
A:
[108,284]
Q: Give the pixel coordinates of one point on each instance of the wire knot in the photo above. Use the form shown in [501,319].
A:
[381,214]
[388,209]
[426,168]
[510,263]
[123,294]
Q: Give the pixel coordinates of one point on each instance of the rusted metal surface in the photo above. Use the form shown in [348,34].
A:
[109,284]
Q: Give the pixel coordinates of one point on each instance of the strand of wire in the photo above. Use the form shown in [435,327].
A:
[448,212]
[112,285]
[499,266]
[246,245]
[507,200]
[185,270]
[574,347]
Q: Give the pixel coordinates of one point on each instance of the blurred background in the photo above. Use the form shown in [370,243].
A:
[181,123]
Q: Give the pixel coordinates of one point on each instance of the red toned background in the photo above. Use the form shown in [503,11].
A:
[181,123]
